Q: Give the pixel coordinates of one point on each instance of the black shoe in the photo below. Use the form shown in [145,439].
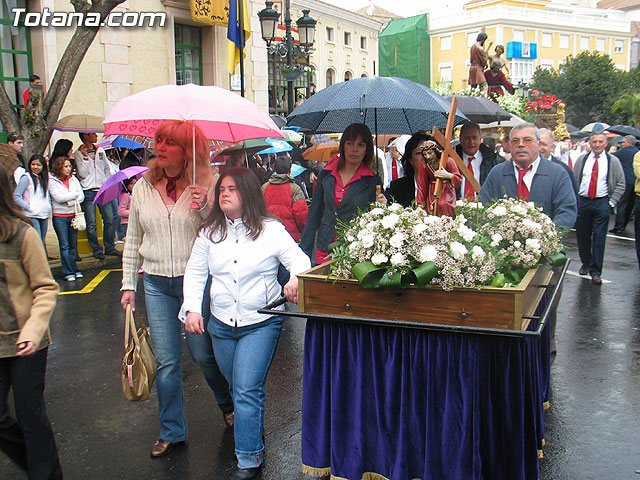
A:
[617,231]
[596,280]
[99,256]
[114,253]
[245,473]
[584,270]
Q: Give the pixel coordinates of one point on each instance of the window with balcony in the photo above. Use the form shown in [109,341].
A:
[521,70]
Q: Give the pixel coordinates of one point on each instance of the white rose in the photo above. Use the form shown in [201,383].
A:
[461,220]
[379,259]
[377,211]
[427,253]
[499,211]
[475,204]
[395,207]
[354,246]
[466,233]
[397,240]
[496,238]
[517,244]
[419,228]
[477,253]
[519,209]
[531,224]
[461,202]
[458,250]
[350,238]
[397,259]
[532,244]
[367,241]
[431,220]
[390,220]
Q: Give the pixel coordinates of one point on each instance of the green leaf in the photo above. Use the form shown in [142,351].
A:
[557,259]
[499,280]
[425,272]
[368,274]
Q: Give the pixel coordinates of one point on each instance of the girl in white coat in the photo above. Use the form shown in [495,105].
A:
[32,194]
[65,190]
[241,245]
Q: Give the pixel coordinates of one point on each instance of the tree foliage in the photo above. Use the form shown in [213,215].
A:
[42,112]
[589,84]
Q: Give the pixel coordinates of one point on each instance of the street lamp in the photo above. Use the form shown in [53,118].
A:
[287,48]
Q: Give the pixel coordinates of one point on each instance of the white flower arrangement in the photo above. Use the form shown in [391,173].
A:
[484,245]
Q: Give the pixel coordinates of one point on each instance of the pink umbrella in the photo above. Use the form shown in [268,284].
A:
[220,114]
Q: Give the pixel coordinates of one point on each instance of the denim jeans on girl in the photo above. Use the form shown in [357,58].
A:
[163,299]
[68,241]
[244,355]
[40,224]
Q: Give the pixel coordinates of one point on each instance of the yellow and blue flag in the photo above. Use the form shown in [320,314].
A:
[236,36]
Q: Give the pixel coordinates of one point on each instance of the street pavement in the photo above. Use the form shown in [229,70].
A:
[591,428]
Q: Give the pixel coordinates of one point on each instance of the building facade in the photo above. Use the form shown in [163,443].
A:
[535,34]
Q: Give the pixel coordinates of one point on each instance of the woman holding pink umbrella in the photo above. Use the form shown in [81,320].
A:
[165,211]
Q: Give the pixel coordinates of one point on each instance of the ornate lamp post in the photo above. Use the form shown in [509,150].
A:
[287,48]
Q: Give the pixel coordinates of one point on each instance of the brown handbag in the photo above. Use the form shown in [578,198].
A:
[139,361]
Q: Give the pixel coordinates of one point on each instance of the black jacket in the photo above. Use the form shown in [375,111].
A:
[323,213]
[488,162]
[402,190]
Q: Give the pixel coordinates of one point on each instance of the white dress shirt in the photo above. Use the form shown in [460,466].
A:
[244,272]
[528,177]
[475,165]
[388,160]
[603,168]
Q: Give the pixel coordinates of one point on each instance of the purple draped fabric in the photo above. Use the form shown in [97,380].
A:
[407,404]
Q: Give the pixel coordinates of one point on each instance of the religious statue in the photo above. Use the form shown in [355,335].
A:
[478,59]
[560,132]
[429,172]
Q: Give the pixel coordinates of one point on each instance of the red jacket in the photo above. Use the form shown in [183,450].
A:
[286,201]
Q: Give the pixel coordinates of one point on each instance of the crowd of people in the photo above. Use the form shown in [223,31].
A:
[210,253]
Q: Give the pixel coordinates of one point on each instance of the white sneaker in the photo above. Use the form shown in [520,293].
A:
[79,275]
[118,242]
[70,278]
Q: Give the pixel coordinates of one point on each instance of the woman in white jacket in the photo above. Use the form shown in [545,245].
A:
[241,245]
[32,194]
[65,190]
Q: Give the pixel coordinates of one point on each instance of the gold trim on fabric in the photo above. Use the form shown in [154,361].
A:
[546,405]
[373,476]
[544,442]
[540,454]
[316,472]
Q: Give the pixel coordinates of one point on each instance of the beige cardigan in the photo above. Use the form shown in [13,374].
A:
[27,292]
[158,239]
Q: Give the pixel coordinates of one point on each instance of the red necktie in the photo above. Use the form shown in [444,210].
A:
[593,184]
[172,193]
[523,191]
[394,169]
[469,192]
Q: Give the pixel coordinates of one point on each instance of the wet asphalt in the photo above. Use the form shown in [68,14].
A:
[592,427]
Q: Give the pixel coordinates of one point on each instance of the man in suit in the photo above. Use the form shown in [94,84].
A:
[479,158]
[547,145]
[545,183]
[625,206]
[601,184]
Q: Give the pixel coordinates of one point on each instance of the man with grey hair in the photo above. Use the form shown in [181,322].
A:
[547,145]
[625,154]
[528,177]
[600,186]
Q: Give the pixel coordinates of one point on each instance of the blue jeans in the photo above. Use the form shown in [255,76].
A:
[244,355]
[109,213]
[40,224]
[163,298]
[68,241]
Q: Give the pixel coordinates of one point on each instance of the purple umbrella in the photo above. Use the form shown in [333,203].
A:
[113,186]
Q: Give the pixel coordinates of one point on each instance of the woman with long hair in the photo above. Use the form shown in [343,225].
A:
[65,191]
[164,213]
[241,246]
[24,341]
[344,186]
[32,194]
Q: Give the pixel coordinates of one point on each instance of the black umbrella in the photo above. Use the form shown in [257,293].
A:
[572,128]
[279,120]
[481,109]
[624,130]
[384,104]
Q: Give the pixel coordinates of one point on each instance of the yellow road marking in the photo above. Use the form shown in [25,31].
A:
[89,287]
